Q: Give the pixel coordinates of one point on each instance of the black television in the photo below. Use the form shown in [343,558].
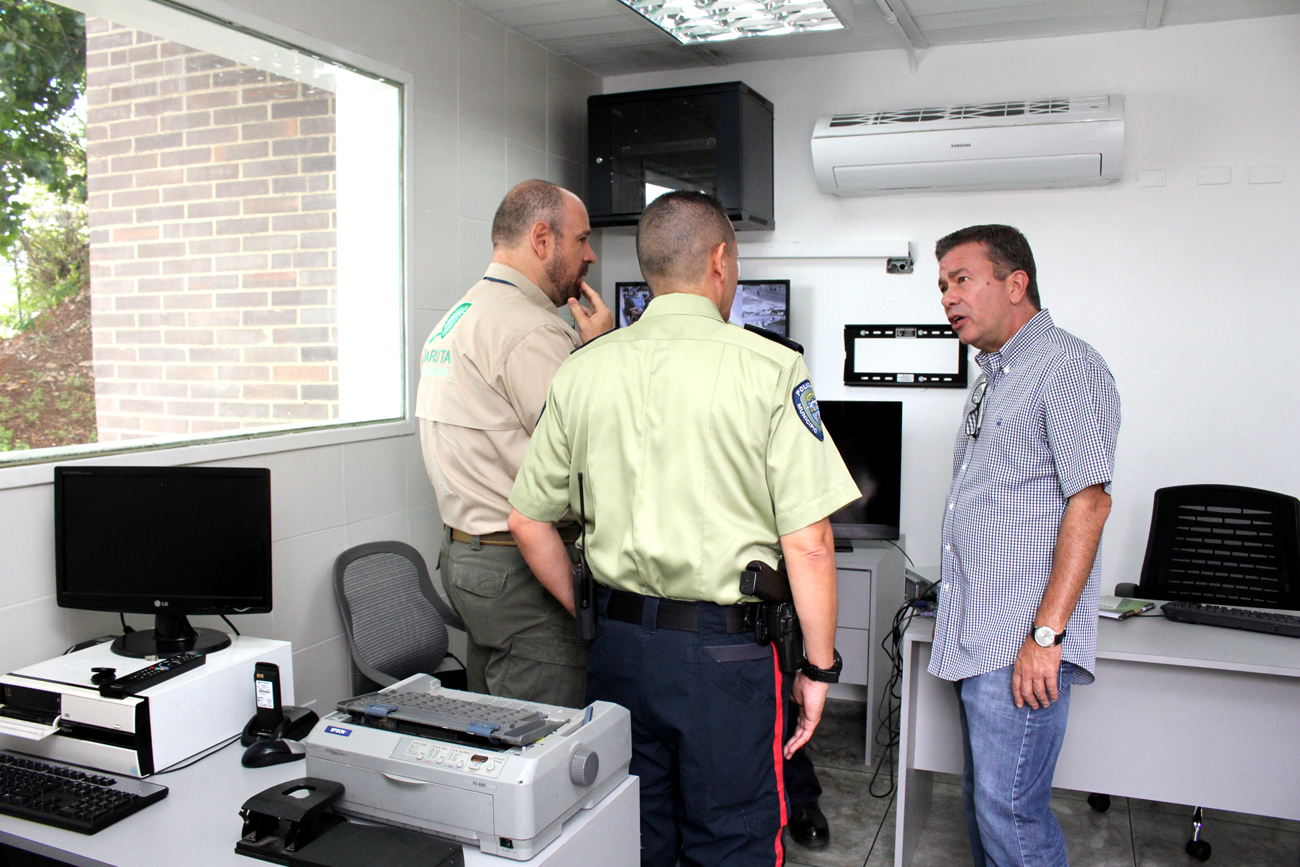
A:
[869,435]
[167,541]
[761,303]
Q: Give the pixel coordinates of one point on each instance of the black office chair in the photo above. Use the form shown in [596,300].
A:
[394,619]
[1222,545]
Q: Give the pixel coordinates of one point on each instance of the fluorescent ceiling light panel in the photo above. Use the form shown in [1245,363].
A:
[692,22]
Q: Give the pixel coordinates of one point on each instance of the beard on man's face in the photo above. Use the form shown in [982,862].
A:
[567,282]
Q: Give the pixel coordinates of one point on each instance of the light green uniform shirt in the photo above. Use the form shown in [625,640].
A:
[700,446]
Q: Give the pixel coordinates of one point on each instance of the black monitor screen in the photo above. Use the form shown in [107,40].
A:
[869,435]
[761,303]
[184,539]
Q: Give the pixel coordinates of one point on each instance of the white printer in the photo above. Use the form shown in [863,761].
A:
[53,709]
[500,773]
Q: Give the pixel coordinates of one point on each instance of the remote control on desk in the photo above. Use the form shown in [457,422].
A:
[163,669]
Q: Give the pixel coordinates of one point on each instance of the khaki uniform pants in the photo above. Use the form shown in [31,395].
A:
[521,642]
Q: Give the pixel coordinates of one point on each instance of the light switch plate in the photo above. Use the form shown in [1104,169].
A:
[1265,175]
[1214,175]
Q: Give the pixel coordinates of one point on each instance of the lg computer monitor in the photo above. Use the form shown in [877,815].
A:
[869,435]
[167,541]
[761,303]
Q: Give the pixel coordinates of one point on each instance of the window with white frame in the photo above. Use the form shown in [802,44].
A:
[207,245]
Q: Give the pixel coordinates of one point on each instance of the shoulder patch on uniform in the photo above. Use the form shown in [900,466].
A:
[775,338]
[452,318]
[805,403]
[591,341]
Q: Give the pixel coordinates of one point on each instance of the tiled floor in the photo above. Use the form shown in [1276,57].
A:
[1131,833]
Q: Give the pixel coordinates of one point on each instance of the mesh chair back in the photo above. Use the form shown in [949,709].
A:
[395,622]
[1223,545]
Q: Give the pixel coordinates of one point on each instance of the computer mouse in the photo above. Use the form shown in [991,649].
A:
[266,753]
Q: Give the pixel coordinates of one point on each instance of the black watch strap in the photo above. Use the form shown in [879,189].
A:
[824,675]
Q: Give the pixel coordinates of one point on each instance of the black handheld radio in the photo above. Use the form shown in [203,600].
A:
[584,584]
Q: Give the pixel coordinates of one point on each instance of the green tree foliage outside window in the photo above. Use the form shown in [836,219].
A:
[42,74]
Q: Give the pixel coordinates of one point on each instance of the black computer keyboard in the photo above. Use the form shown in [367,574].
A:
[1233,618]
[67,796]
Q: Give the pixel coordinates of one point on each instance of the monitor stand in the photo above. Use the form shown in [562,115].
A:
[171,634]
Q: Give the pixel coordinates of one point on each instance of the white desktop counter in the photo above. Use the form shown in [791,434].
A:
[198,823]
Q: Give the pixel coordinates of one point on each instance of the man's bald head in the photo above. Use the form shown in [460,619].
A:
[523,207]
[677,233]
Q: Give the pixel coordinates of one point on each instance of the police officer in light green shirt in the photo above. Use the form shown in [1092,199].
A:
[701,449]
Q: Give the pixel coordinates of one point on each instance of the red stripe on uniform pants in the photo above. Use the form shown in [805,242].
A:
[778,757]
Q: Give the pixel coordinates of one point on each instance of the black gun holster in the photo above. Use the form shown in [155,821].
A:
[775,619]
[584,601]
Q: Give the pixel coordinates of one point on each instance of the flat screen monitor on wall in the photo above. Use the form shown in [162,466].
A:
[761,303]
[167,541]
[869,435]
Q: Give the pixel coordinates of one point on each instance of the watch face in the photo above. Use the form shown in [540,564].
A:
[1044,636]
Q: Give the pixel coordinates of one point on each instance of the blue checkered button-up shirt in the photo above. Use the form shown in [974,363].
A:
[1051,417]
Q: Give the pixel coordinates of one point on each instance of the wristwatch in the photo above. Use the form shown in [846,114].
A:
[1045,636]
[824,675]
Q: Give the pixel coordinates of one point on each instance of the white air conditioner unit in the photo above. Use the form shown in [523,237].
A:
[997,146]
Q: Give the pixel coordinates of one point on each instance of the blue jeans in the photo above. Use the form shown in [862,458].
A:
[1010,758]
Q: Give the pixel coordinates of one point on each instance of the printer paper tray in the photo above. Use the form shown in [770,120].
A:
[30,731]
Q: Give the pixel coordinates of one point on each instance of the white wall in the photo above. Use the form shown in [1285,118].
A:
[1181,288]
[490,109]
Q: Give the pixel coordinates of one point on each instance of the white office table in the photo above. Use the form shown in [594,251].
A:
[1179,712]
[198,823]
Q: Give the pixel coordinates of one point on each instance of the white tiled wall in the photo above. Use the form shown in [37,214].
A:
[490,109]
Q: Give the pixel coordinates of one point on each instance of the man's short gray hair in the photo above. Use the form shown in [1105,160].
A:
[526,204]
[677,233]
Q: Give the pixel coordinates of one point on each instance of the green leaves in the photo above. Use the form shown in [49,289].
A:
[42,74]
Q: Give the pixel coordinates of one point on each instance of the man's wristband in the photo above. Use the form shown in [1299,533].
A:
[824,675]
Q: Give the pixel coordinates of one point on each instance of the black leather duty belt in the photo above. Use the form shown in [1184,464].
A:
[683,616]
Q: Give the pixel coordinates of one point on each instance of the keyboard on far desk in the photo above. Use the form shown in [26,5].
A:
[69,797]
[1233,618]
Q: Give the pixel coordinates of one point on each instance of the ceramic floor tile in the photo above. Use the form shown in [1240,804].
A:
[1160,835]
[853,816]
[839,741]
[1213,817]
[1093,839]
[882,852]
[943,840]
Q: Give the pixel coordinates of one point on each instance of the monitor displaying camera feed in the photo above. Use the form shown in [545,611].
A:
[761,303]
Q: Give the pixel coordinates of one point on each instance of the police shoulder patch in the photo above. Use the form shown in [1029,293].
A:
[805,403]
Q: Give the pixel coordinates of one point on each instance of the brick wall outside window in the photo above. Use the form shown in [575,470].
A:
[212,243]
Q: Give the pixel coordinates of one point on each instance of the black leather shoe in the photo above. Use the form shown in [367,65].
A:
[808,827]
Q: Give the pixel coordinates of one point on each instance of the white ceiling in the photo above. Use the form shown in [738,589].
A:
[609,39]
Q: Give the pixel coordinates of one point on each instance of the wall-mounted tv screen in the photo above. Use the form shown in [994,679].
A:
[761,303]
[869,435]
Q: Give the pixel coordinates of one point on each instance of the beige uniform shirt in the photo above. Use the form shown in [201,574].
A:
[484,373]
[700,445]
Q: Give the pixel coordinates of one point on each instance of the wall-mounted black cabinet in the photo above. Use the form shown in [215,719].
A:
[713,138]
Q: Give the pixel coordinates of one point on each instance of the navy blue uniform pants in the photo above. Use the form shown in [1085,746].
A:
[707,724]
[801,785]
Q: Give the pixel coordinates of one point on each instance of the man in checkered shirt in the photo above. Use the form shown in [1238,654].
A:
[1017,620]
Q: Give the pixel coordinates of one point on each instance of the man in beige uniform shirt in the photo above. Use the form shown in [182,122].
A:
[485,371]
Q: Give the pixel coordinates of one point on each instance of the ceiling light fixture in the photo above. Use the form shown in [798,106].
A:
[692,22]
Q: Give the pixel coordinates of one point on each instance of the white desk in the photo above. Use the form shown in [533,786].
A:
[198,823]
[1179,712]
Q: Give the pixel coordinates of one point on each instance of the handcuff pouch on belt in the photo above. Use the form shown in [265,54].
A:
[775,619]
